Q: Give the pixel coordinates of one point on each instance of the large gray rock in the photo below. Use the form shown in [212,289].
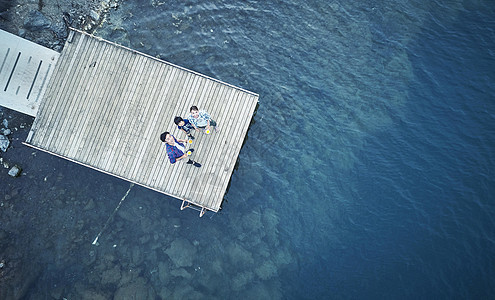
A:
[164,273]
[5,131]
[111,276]
[136,290]
[181,252]
[36,21]
[181,272]
[60,29]
[4,143]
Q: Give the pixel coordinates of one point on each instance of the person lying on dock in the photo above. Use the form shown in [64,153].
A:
[184,125]
[201,119]
[176,150]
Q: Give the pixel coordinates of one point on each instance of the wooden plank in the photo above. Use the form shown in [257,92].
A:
[205,94]
[224,181]
[222,144]
[135,125]
[67,101]
[152,107]
[167,170]
[165,125]
[96,121]
[114,112]
[163,166]
[127,126]
[214,150]
[124,152]
[62,100]
[158,150]
[117,137]
[120,112]
[48,109]
[181,106]
[193,183]
[135,139]
[114,75]
[88,120]
[189,94]
[59,74]
[75,130]
[235,139]
[71,128]
[228,137]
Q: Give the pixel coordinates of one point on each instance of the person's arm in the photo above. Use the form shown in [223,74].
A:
[174,159]
[192,123]
[182,157]
[171,155]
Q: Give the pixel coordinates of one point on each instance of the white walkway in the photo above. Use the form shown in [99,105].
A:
[25,69]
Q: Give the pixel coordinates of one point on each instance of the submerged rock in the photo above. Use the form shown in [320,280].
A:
[15,171]
[90,258]
[4,143]
[94,15]
[181,273]
[266,271]
[138,289]
[6,131]
[240,280]
[86,292]
[163,272]
[181,252]
[90,205]
[111,276]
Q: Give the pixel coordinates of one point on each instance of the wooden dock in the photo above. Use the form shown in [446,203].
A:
[106,106]
[25,70]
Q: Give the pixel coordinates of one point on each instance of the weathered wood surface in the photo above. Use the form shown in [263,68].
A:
[106,106]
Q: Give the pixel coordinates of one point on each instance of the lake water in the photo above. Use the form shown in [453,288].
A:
[368,172]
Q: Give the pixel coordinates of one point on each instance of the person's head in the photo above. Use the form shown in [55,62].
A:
[163,136]
[179,121]
[194,111]
[166,137]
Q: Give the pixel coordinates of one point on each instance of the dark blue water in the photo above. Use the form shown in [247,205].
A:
[368,172]
[373,147]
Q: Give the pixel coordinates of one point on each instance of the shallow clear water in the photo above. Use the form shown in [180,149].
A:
[368,171]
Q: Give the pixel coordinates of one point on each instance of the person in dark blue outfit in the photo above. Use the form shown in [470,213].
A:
[184,125]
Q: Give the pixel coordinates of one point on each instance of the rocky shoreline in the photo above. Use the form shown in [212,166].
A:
[46,22]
